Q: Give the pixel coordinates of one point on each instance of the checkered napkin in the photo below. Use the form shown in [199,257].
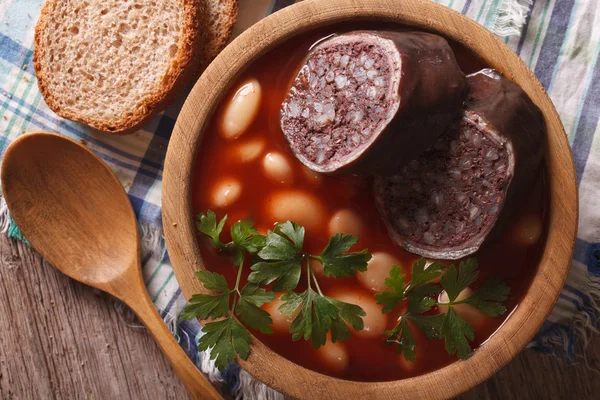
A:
[558,39]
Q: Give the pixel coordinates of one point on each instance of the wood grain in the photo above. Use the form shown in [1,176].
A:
[60,339]
[81,220]
[519,329]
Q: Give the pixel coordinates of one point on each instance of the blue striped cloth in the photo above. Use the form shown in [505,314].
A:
[558,39]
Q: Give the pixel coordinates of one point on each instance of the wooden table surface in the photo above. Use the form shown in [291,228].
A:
[60,339]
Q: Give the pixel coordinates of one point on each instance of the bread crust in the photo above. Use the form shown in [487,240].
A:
[183,68]
[217,39]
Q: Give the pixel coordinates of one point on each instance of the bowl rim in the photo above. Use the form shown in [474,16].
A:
[523,323]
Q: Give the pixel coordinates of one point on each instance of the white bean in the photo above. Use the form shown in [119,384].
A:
[528,230]
[296,206]
[226,192]
[334,356]
[249,150]
[378,269]
[241,110]
[346,221]
[277,168]
[468,312]
[375,323]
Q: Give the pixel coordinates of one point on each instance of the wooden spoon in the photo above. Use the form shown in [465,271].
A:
[74,211]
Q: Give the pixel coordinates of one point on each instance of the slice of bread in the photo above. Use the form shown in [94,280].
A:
[112,64]
[221,17]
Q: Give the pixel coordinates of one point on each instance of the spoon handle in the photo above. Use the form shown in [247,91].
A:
[195,383]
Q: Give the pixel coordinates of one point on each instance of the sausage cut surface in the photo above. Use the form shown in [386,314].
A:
[367,102]
[446,202]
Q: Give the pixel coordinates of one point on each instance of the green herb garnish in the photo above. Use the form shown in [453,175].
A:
[283,258]
[277,259]
[422,296]
[227,336]
[339,264]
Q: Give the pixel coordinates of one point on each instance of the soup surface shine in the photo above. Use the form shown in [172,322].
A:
[254,174]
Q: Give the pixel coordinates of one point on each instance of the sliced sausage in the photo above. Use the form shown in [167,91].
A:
[446,202]
[367,102]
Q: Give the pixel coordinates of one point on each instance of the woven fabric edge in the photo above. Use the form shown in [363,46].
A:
[511,17]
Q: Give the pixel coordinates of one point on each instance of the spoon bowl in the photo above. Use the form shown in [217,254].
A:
[84,225]
[75,213]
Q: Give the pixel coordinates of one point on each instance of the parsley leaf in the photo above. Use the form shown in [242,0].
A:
[418,304]
[253,316]
[301,326]
[246,237]
[293,231]
[429,324]
[489,297]
[418,291]
[323,313]
[257,296]
[421,294]
[212,281]
[427,289]
[249,311]
[284,242]
[282,258]
[320,314]
[403,336]
[226,338]
[339,264]
[396,279]
[457,333]
[291,302]
[348,313]
[204,305]
[207,224]
[388,299]
[456,280]
[285,274]
[423,273]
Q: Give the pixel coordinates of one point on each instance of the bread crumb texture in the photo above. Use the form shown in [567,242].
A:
[221,17]
[112,64]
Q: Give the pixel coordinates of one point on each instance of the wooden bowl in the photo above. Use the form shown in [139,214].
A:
[521,326]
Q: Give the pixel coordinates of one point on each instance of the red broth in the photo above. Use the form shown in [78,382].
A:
[369,359]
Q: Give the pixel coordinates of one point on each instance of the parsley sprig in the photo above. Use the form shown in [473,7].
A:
[278,262]
[276,259]
[422,295]
[283,258]
[227,336]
